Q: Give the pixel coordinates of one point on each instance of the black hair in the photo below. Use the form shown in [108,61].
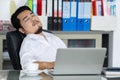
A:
[14,20]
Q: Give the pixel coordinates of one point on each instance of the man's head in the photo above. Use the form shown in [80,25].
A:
[25,21]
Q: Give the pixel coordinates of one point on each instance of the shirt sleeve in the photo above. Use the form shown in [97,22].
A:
[27,53]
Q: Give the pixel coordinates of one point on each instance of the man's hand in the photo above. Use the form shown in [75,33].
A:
[45,65]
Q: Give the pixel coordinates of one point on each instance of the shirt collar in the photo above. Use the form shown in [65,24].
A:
[36,36]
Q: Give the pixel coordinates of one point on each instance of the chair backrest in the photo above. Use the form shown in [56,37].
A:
[14,40]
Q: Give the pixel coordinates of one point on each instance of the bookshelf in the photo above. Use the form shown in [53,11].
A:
[2,37]
[111,31]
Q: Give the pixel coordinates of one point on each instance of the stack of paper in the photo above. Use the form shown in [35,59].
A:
[112,72]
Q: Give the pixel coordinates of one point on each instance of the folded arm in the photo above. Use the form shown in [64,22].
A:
[45,65]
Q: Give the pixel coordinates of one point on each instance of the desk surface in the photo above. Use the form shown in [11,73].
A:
[20,75]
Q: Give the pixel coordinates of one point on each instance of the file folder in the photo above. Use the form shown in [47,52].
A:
[39,7]
[105,7]
[50,14]
[99,8]
[43,16]
[73,14]
[102,8]
[55,15]
[113,8]
[34,7]
[44,8]
[80,15]
[87,15]
[94,11]
[30,2]
[59,15]
[66,15]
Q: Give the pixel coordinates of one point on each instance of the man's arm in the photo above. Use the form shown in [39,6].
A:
[45,65]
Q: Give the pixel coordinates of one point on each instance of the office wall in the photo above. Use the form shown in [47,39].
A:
[5,8]
[116,39]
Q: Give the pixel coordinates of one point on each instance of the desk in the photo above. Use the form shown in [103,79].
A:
[2,37]
[18,75]
[97,35]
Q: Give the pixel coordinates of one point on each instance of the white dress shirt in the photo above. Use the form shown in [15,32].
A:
[38,48]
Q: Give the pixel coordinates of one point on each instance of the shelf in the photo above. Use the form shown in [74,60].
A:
[106,23]
[83,32]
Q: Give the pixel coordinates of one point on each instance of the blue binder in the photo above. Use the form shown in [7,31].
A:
[80,15]
[66,15]
[73,15]
[87,15]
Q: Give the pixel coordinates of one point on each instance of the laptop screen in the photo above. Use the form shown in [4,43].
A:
[79,61]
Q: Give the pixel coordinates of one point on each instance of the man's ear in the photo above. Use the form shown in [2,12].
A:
[22,30]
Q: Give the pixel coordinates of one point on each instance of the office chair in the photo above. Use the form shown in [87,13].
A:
[14,40]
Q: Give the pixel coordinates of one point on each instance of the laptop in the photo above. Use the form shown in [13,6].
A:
[79,61]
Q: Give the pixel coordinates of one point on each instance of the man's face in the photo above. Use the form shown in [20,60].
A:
[30,23]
